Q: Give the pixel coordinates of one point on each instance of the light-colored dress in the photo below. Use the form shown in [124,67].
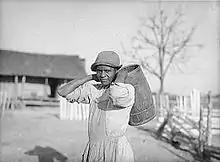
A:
[106,129]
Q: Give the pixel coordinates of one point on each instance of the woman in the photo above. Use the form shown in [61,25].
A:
[110,104]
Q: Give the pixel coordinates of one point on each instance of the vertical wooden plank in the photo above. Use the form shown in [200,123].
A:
[191,101]
[61,99]
[80,112]
[61,107]
[83,112]
[63,104]
[45,87]
[181,103]
[75,110]
[71,111]
[185,107]
[177,101]
[2,103]
[86,111]
[167,102]
[198,96]
[66,112]
[8,100]
[23,80]
[162,104]
[157,106]
[16,87]
[201,134]
[87,108]
[64,109]
[15,96]
[209,121]
[193,106]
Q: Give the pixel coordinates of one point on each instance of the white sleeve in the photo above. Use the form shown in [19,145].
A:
[122,94]
[82,94]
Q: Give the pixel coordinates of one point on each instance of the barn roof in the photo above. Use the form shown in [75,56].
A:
[40,65]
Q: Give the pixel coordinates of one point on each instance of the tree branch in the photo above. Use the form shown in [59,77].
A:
[172,26]
[153,28]
[145,39]
[183,44]
[168,40]
[146,66]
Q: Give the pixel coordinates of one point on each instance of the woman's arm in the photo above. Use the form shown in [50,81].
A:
[72,85]
[118,96]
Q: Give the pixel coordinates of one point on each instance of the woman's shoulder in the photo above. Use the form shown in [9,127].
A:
[126,86]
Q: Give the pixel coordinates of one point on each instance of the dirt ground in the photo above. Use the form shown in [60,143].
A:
[36,134]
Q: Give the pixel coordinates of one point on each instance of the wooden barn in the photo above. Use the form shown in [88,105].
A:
[33,75]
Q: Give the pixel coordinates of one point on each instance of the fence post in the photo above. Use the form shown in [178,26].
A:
[163,107]
[181,102]
[155,102]
[167,101]
[68,110]
[75,110]
[3,103]
[63,105]
[209,121]
[83,111]
[195,104]
[158,110]
[201,134]
[185,110]
[79,111]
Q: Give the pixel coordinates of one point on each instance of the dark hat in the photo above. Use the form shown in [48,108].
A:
[109,58]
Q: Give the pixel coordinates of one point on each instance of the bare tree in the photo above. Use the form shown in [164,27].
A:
[160,44]
[165,39]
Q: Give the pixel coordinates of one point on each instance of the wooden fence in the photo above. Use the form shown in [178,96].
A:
[190,121]
[73,111]
[189,107]
[195,107]
[5,102]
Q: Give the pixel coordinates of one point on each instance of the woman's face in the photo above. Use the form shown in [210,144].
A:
[105,74]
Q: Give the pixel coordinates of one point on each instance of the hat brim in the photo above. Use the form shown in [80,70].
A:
[94,65]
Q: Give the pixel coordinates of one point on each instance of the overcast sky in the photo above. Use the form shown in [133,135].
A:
[86,28]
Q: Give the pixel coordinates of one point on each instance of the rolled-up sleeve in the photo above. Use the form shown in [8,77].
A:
[82,94]
[122,95]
